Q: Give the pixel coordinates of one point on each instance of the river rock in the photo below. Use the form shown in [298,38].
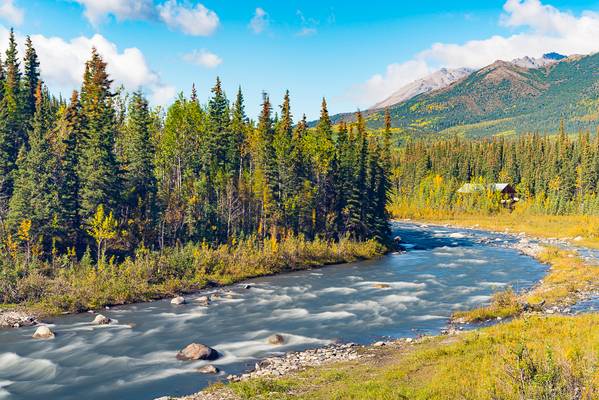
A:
[16,319]
[247,286]
[43,332]
[203,300]
[276,339]
[101,320]
[208,369]
[379,344]
[381,286]
[197,351]
[178,300]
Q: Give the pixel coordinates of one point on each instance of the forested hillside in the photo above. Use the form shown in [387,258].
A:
[553,175]
[503,99]
[103,176]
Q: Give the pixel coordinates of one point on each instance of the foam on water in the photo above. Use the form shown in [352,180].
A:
[397,296]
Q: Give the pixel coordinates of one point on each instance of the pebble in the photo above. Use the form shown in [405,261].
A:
[294,361]
[16,319]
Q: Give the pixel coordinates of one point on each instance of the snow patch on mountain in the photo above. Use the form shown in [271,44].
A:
[437,80]
[540,62]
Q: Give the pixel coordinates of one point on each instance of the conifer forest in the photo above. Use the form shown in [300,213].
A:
[101,176]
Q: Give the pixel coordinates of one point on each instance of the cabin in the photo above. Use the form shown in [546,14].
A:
[506,190]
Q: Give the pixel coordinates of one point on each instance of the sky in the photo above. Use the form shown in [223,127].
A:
[354,53]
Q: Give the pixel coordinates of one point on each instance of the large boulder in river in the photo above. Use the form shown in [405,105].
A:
[276,339]
[101,320]
[43,332]
[178,300]
[197,351]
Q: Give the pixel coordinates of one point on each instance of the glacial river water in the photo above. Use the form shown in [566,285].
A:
[443,270]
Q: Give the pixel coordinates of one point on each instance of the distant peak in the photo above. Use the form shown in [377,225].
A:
[554,56]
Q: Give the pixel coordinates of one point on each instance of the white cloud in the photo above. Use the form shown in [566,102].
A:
[10,12]
[196,21]
[544,29]
[97,10]
[259,22]
[162,94]
[63,62]
[203,58]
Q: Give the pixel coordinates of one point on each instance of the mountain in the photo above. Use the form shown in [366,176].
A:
[530,62]
[437,80]
[503,98]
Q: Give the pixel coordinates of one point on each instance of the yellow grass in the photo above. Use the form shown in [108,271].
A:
[585,229]
[528,358]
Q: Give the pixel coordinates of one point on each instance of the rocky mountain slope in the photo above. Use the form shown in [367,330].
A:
[437,80]
[504,98]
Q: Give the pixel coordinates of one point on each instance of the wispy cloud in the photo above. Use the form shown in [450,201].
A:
[178,15]
[196,21]
[308,25]
[96,11]
[259,21]
[11,13]
[203,58]
[307,32]
[543,28]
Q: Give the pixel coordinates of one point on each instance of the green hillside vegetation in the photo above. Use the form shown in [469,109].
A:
[503,99]
[94,188]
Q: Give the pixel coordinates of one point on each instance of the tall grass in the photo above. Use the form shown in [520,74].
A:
[69,285]
[536,358]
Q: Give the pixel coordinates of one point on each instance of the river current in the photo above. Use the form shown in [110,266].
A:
[398,295]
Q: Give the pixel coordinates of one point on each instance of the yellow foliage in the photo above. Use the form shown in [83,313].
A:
[23,233]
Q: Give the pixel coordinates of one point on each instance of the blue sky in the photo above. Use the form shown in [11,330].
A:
[354,53]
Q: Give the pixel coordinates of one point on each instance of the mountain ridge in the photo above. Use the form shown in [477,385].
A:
[503,98]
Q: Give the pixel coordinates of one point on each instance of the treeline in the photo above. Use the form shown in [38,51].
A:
[552,174]
[105,172]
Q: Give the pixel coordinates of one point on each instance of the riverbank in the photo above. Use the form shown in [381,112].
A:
[154,275]
[579,230]
[533,357]
[533,350]
[569,280]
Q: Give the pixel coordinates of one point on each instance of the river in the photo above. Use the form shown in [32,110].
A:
[398,295]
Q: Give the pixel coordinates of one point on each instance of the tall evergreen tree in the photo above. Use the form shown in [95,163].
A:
[239,133]
[98,168]
[138,169]
[357,202]
[36,192]
[30,79]
[69,127]
[11,135]
[221,138]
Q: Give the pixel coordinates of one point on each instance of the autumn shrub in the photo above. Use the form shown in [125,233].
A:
[66,285]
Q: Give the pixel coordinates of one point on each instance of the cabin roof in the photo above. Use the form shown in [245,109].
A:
[479,187]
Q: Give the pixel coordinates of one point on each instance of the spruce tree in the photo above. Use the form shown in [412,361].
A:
[35,195]
[358,199]
[238,127]
[138,168]
[268,168]
[11,136]
[98,168]
[282,144]
[221,138]
[70,134]
[30,80]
